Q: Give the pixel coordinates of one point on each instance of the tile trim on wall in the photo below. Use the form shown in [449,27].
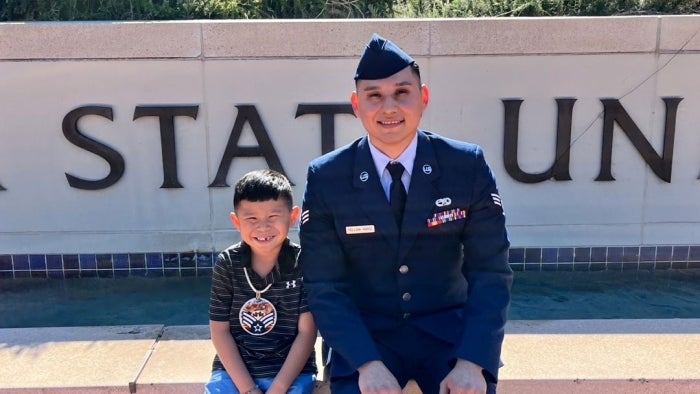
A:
[605,258]
[190,264]
[67,266]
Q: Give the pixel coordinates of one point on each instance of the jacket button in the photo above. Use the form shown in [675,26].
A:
[406,296]
[403,269]
[406,315]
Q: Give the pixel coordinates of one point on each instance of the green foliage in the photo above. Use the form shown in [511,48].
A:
[76,10]
[216,9]
[285,9]
[502,8]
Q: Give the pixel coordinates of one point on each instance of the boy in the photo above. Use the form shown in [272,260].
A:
[260,324]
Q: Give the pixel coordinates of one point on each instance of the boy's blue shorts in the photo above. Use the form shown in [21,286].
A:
[221,383]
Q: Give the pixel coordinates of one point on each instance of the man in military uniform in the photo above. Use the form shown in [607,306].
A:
[404,245]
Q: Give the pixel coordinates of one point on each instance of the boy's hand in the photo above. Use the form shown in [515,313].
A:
[275,389]
[256,390]
[375,378]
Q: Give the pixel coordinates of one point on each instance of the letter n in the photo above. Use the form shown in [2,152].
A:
[615,113]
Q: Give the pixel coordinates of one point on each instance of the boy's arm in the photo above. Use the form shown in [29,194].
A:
[227,350]
[301,350]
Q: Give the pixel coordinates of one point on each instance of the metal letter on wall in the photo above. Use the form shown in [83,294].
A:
[615,113]
[327,112]
[247,114]
[113,158]
[166,115]
[560,168]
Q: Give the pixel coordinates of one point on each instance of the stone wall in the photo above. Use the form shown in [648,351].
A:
[114,135]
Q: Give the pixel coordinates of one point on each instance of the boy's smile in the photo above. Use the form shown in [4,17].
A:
[264,225]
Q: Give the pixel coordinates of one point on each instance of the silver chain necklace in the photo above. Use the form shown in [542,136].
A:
[257,292]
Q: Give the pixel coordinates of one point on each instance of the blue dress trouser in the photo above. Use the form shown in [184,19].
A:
[408,353]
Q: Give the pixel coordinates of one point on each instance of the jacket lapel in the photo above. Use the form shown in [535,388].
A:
[370,195]
[422,194]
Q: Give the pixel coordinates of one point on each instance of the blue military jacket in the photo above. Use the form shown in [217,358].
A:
[446,273]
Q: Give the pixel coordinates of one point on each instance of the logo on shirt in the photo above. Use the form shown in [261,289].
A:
[257,316]
[291,284]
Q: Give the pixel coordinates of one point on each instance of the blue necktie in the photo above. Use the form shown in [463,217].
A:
[397,193]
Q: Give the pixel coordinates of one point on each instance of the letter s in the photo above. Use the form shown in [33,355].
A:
[113,158]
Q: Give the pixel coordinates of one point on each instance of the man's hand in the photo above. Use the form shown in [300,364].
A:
[375,378]
[465,378]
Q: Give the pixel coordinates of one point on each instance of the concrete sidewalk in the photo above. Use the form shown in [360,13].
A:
[572,356]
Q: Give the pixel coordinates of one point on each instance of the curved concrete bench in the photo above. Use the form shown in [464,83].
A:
[560,356]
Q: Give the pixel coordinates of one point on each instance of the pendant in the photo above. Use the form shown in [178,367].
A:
[257,316]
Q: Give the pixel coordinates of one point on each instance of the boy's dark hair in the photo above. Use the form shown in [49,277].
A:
[262,185]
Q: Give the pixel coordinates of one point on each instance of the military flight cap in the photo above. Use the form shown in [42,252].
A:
[381,59]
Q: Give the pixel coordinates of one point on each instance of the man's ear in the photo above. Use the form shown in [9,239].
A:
[294,215]
[235,220]
[354,102]
[425,95]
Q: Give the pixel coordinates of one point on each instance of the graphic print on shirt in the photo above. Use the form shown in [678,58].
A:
[257,316]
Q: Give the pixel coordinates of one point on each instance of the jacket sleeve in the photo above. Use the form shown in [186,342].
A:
[325,277]
[487,271]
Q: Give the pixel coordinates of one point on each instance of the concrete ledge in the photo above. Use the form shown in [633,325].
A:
[75,359]
[527,36]
[180,362]
[99,40]
[241,39]
[598,387]
[572,356]
[327,39]
[598,356]
[681,31]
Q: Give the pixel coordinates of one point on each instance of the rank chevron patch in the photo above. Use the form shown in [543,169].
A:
[496,199]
